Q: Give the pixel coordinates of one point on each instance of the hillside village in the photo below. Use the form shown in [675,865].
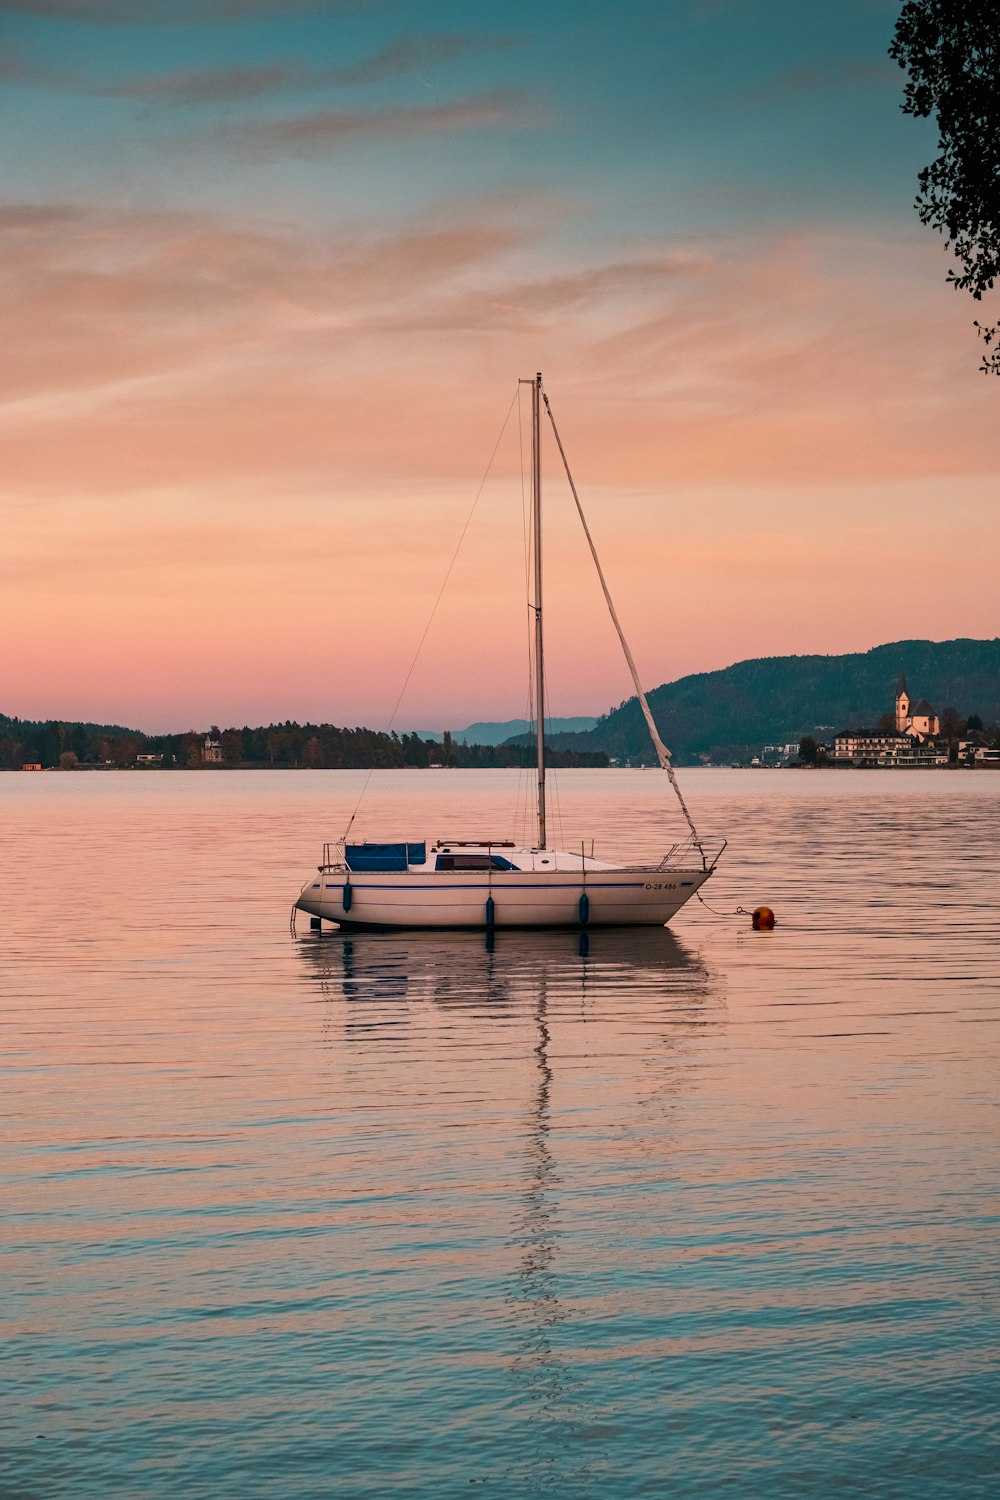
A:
[912,737]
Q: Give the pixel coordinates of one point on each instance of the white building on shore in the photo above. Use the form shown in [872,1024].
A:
[886,747]
[912,743]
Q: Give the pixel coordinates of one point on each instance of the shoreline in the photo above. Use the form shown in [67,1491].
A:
[271,766]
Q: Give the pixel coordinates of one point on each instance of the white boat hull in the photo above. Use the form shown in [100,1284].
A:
[521,898]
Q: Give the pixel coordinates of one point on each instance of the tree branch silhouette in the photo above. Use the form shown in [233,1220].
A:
[949,49]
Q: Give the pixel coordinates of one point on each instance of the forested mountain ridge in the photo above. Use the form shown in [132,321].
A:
[778,699]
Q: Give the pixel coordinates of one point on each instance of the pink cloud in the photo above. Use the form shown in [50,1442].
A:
[254,432]
[267,352]
[321,130]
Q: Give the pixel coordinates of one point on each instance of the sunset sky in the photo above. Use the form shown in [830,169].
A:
[271,272]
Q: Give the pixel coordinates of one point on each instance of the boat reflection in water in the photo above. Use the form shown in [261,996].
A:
[484,971]
[543,1072]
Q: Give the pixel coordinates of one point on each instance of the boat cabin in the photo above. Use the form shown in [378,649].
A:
[457,855]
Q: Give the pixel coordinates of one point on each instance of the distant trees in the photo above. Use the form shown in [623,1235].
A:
[231,741]
[49,744]
[277,742]
[808,750]
[414,750]
[949,49]
[952,725]
[323,746]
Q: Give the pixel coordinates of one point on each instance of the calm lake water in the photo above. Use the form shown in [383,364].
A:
[700,1212]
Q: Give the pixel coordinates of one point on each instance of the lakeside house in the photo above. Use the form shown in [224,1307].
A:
[913,742]
[211,752]
[877,747]
[779,755]
[977,751]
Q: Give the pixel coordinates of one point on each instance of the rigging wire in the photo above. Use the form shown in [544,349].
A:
[663,754]
[521,799]
[437,601]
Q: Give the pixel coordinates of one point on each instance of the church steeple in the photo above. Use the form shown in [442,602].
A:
[902,706]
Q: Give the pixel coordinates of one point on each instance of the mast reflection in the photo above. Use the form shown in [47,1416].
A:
[551,1397]
[378,986]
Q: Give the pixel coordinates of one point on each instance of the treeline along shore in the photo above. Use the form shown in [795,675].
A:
[78,746]
[721,717]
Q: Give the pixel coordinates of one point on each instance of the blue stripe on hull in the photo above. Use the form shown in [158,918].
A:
[570,926]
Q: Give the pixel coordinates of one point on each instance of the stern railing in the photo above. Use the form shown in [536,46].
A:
[329,863]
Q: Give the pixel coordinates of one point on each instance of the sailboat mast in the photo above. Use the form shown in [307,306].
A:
[536,512]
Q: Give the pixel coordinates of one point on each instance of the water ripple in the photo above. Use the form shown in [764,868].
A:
[691,1213]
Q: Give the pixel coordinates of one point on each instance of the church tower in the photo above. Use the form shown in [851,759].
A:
[902,707]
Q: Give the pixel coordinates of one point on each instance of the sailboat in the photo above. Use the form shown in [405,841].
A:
[487,882]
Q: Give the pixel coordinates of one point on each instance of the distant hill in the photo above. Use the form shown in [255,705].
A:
[496,733]
[727,714]
[777,699]
[316,747]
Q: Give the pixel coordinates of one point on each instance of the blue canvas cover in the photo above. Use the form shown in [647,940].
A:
[383,857]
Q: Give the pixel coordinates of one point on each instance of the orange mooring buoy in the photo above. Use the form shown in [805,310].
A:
[763,918]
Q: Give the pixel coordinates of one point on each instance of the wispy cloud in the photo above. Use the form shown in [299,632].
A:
[827,77]
[12,66]
[406,54]
[92,301]
[176,349]
[400,57]
[165,12]
[317,132]
[624,278]
[211,85]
